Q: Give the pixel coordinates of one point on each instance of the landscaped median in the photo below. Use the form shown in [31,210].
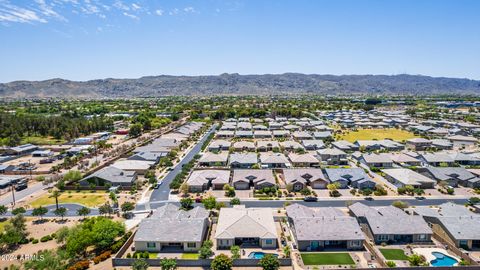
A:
[327,258]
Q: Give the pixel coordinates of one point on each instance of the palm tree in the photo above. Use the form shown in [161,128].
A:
[55,193]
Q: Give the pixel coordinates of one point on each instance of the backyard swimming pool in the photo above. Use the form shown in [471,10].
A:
[259,255]
[442,260]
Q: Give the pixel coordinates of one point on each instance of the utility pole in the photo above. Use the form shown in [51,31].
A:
[13,194]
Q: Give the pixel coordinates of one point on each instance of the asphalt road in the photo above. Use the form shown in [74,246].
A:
[334,202]
[19,195]
[161,194]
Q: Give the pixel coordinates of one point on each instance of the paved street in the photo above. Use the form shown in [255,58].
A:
[20,195]
[161,194]
[334,202]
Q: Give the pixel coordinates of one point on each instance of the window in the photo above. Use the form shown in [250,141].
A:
[382,237]
[422,237]
[151,245]
[268,241]
[192,245]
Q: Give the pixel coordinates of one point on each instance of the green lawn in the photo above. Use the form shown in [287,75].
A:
[85,198]
[326,258]
[393,254]
[190,256]
[378,134]
[41,140]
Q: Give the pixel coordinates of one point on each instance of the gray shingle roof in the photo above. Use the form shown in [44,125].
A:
[113,175]
[302,175]
[245,222]
[256,176]
[243,158]
[347,174]
[328,224]
[170,224]
[390,220]
[201,177]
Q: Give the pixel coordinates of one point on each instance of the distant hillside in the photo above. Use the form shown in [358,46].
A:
[235,84]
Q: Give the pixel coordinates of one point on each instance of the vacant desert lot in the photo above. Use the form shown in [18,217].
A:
[378,134]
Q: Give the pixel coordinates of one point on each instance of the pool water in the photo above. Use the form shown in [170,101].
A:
[259,255]
[442,260]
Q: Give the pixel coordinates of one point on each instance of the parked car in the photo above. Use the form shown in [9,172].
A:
[21,186]
[369,198]
[310,199]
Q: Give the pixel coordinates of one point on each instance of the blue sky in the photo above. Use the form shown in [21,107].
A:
[90,39]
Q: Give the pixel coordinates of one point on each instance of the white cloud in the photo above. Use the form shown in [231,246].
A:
[136,7]
[173,11]
[131,15]
[189,10]
[120,5]
[47,10]
[12,13]
[159,12]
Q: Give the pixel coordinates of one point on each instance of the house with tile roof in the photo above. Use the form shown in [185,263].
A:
[246,227]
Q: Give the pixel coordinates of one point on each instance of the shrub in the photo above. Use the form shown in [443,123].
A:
[35,241]
[391,264]
[46,238]
[81,265]
[102,257]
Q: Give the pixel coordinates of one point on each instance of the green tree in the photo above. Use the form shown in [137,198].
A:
[140,264]
[269,262]
[234,201]
[105,209]
[50,260]
[55,193]
[100,232]
[416,260]
[18,210]
[14,232]
[62,234]
[186,203]
[127,207]
[287,251]
[235,250]
[3,210]
[205,251]
[168,264]
[135,130]
[209,203]
[72,176]
[400,204]
[61,212]
[39,212]
[184,189]
[84,211]
[221,262]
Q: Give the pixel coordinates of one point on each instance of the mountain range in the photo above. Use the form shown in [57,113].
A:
[235,84]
